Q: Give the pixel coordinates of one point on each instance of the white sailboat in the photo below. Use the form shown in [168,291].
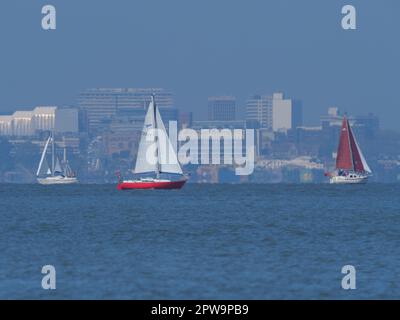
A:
[155,169]
[55,174]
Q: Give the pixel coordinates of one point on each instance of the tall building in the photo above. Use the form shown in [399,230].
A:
[103,103]
[286,113]
[274,112]
[259,111]
[222,108]
[27,123]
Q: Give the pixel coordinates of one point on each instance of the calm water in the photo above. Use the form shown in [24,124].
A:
[203,242]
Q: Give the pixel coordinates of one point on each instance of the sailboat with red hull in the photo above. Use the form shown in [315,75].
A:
[351,166]
[154,171]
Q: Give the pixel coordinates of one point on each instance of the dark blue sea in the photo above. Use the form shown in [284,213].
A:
[202,242]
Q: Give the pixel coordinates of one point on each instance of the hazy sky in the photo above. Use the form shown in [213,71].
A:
[198,48]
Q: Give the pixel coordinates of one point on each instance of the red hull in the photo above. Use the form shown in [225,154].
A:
[151,185]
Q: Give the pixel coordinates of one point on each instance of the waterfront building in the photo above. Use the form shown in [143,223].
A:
[43,118]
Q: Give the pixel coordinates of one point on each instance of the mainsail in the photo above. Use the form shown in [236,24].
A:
[167,161]
[43,162]
[146,141]
[344,159]
[349,155]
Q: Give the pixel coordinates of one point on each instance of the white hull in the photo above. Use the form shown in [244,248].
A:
[57,180]
[349,179]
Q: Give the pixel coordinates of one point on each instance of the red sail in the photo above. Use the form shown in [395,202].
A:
[344,159]
[358,165]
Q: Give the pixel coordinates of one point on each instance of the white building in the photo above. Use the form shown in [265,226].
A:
[274,112]
[286,113]
[27,123]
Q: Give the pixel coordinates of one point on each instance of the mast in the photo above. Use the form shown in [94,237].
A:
[52,153]
[158,167]
[348,137]
[65,162]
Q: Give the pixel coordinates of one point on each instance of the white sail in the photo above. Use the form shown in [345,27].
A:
[45,169]
[168,159]
[146,141]
[57,167]
[364,162]
[39,170]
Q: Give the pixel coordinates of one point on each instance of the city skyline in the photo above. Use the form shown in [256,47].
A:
[102,135]
[257,50]
[133,98]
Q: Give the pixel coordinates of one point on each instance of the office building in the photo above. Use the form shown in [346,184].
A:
[103,103]
[259,111]
[222,108]
[273,112]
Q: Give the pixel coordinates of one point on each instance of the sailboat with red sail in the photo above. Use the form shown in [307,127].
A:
[351,166]
[157,173]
